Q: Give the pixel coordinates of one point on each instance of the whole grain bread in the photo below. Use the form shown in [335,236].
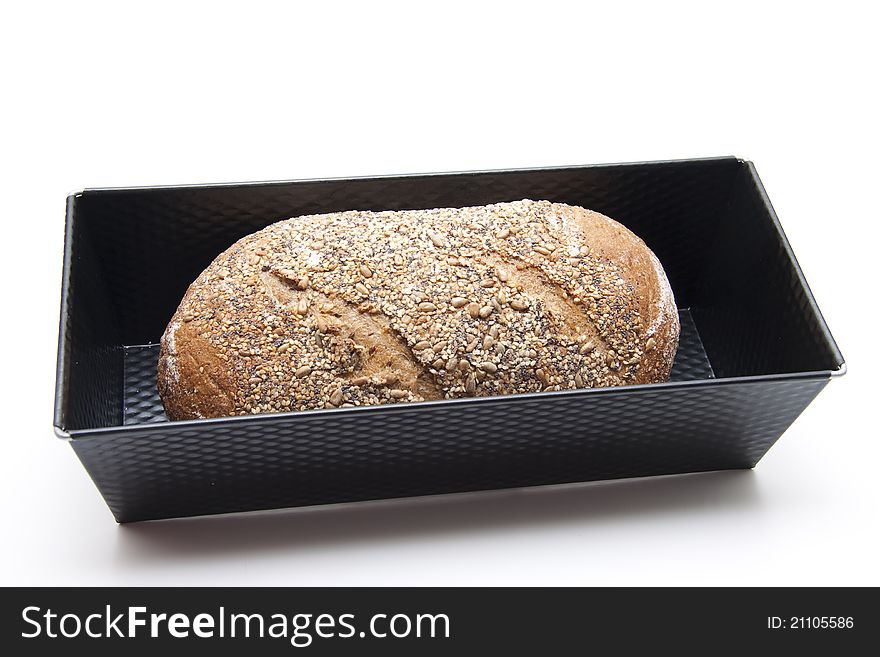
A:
[359,308]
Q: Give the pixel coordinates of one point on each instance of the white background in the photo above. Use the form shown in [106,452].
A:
[158,93]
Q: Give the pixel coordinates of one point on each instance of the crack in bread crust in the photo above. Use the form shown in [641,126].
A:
[381,354]
[572,319]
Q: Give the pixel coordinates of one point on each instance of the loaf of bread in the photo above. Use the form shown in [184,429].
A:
[359,308]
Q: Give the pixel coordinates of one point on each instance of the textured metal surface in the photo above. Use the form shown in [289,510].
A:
[142,403]
[130,254]
[178,469]
[691,362]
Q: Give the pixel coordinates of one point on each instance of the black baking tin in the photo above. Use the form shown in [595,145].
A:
[755,349]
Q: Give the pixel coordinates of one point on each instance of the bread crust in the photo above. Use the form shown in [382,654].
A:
[359,308]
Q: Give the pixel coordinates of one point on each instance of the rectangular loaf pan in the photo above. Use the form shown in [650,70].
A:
[754,352]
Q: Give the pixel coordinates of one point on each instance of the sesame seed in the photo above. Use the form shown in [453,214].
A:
[587,347]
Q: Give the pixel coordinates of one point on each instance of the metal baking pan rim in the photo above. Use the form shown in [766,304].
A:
[61,366]
[427,174]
